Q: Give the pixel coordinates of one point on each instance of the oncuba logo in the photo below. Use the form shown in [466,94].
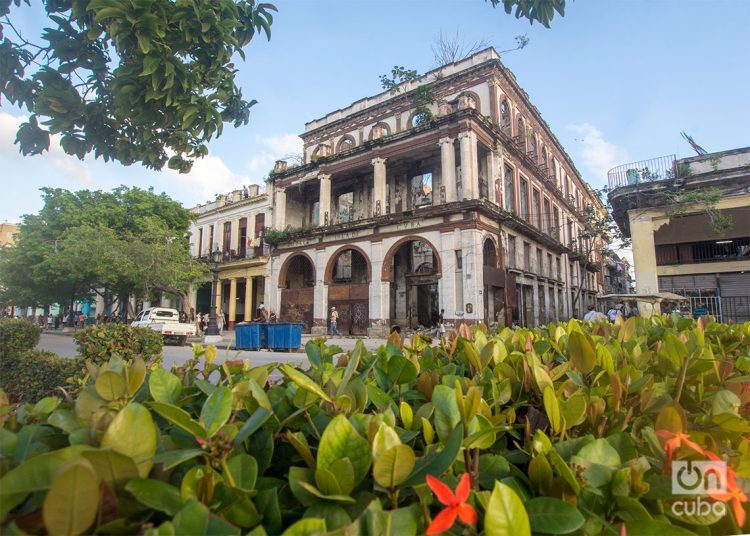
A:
[698,478]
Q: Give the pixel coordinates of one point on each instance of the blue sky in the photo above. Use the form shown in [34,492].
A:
[616,80]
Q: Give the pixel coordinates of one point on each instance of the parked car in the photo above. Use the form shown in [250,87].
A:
[167,322]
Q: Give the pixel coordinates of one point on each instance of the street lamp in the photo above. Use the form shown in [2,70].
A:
[212,330]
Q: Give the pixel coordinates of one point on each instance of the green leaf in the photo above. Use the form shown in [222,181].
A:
[355,356]
[310,526]
[251,425]
[447,414]
[244,471]
[581,352]
[393,467]
[552,408]
[216,410]
[72,502]
[135,374]
[132,432]
[643,527]
[548,515]
[505,514]
[180,418]
[112,467]
[110,385]
[173,458]
[341,440]
[385,438]
[401,370]
[320,495]
[196,519]
[46,405]
[303,381]
[573,410]
[380,398]
[156,494]
[164,386]
[436,463]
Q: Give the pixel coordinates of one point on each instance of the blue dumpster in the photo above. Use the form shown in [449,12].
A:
[284,336]
[250,335]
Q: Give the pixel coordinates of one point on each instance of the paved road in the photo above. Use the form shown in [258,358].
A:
[64,345]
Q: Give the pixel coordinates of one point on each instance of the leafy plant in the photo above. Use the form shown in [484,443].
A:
[563,429]
[35,374]
[100,342]
[17,336]
[704,200]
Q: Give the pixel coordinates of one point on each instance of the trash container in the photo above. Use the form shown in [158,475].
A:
[249,335]
[284,336]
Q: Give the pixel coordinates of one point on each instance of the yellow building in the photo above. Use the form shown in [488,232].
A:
[689,221]
[7,230]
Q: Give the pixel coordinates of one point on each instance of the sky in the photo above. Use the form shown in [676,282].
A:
[616,81]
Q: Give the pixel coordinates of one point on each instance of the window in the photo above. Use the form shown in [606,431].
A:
[420,118]
[547,214]
[554,170]
[346,143]
[421,189]
[544,160]
[521,134]
[549,264]
[459,260]
[346,207]
[524,200]
[556,229]
[380,130]
[227,236]
[200,242]
[532,148]
[344,266]
[539,262]
[571,236]
[537,208]
[459,281]
[511,251]
[510,201]
[559,268]
[505,117]
[527,256]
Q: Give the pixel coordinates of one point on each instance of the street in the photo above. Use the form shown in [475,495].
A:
[64,345]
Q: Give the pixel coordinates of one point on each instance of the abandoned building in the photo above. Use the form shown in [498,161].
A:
[233,224]
[461,203]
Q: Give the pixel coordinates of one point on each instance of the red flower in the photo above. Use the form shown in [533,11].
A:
[455,505]
[675,441]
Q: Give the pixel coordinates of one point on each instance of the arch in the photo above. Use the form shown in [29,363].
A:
[521,130]
[469,99]
[490,257]
[544,159]
[345,143]
[328,274]
[533,147]
[505,114]
[386,274]
[379,130]
[320,151]
[284,272]
[419,116]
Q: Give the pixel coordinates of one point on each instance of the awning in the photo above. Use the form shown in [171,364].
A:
[656,297]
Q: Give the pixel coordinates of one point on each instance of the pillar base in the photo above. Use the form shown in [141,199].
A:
[319,331]
[213,339]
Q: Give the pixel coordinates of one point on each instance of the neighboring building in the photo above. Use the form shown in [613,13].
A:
[234,224]
[403,209]
[675,246]
[616,275]
[7,230]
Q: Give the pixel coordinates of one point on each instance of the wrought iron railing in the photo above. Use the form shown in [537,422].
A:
[655,169]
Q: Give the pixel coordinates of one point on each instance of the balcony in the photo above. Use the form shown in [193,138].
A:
[655,169]
[736,249]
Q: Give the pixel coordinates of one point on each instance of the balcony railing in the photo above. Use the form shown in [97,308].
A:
[698,252]
[655,169]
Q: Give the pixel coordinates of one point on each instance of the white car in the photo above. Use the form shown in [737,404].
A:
[167,322]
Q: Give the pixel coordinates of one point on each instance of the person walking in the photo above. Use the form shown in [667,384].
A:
[334,320]
[50,321]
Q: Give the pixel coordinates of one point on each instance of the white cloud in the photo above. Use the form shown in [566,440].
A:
[275,148]
[597,155]
[209,176]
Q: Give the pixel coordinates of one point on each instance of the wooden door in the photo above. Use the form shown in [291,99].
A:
[297,306]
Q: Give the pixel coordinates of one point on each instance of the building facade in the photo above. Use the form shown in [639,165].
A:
[689,220]
[7,232]
[234,225]
[463,206]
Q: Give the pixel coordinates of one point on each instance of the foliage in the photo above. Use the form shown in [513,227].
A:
[34,374]
[542,11]
[566,428]
[274,237]
[17,336]
[100,342]
[99,60]
[684,202]
[129,241]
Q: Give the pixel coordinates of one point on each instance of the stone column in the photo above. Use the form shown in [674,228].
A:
[219,284]
[642,230]
[325,200]
[279,210]
[378,197]
[232,302]
[248,299]
[448,169]
[469,165]
[320,294]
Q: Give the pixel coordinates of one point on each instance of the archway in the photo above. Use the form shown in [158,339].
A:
[348,277]
[493,283]
[297,282]
[412,266]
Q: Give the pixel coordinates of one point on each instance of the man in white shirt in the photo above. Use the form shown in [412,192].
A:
[593,315]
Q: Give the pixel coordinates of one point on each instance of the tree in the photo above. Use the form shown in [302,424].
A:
[449,49]
[131,242]
[542,11]
[149,81]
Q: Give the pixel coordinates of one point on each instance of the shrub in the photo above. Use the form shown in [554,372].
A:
[570,428]
[102,341]
[17,336]
[36,374]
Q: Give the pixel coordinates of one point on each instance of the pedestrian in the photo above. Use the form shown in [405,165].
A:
[50,321]
[199,324]
[612,313]
[334,320]
[220,321]
[441,323]
[593,315]
[263,315]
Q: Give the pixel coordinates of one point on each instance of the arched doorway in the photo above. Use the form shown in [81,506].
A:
[413,268]
[297,282]
[494,284]
[348,278]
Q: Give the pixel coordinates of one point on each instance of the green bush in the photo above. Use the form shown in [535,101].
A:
[102,341]
[36,374]
[17,336]
[570,428]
